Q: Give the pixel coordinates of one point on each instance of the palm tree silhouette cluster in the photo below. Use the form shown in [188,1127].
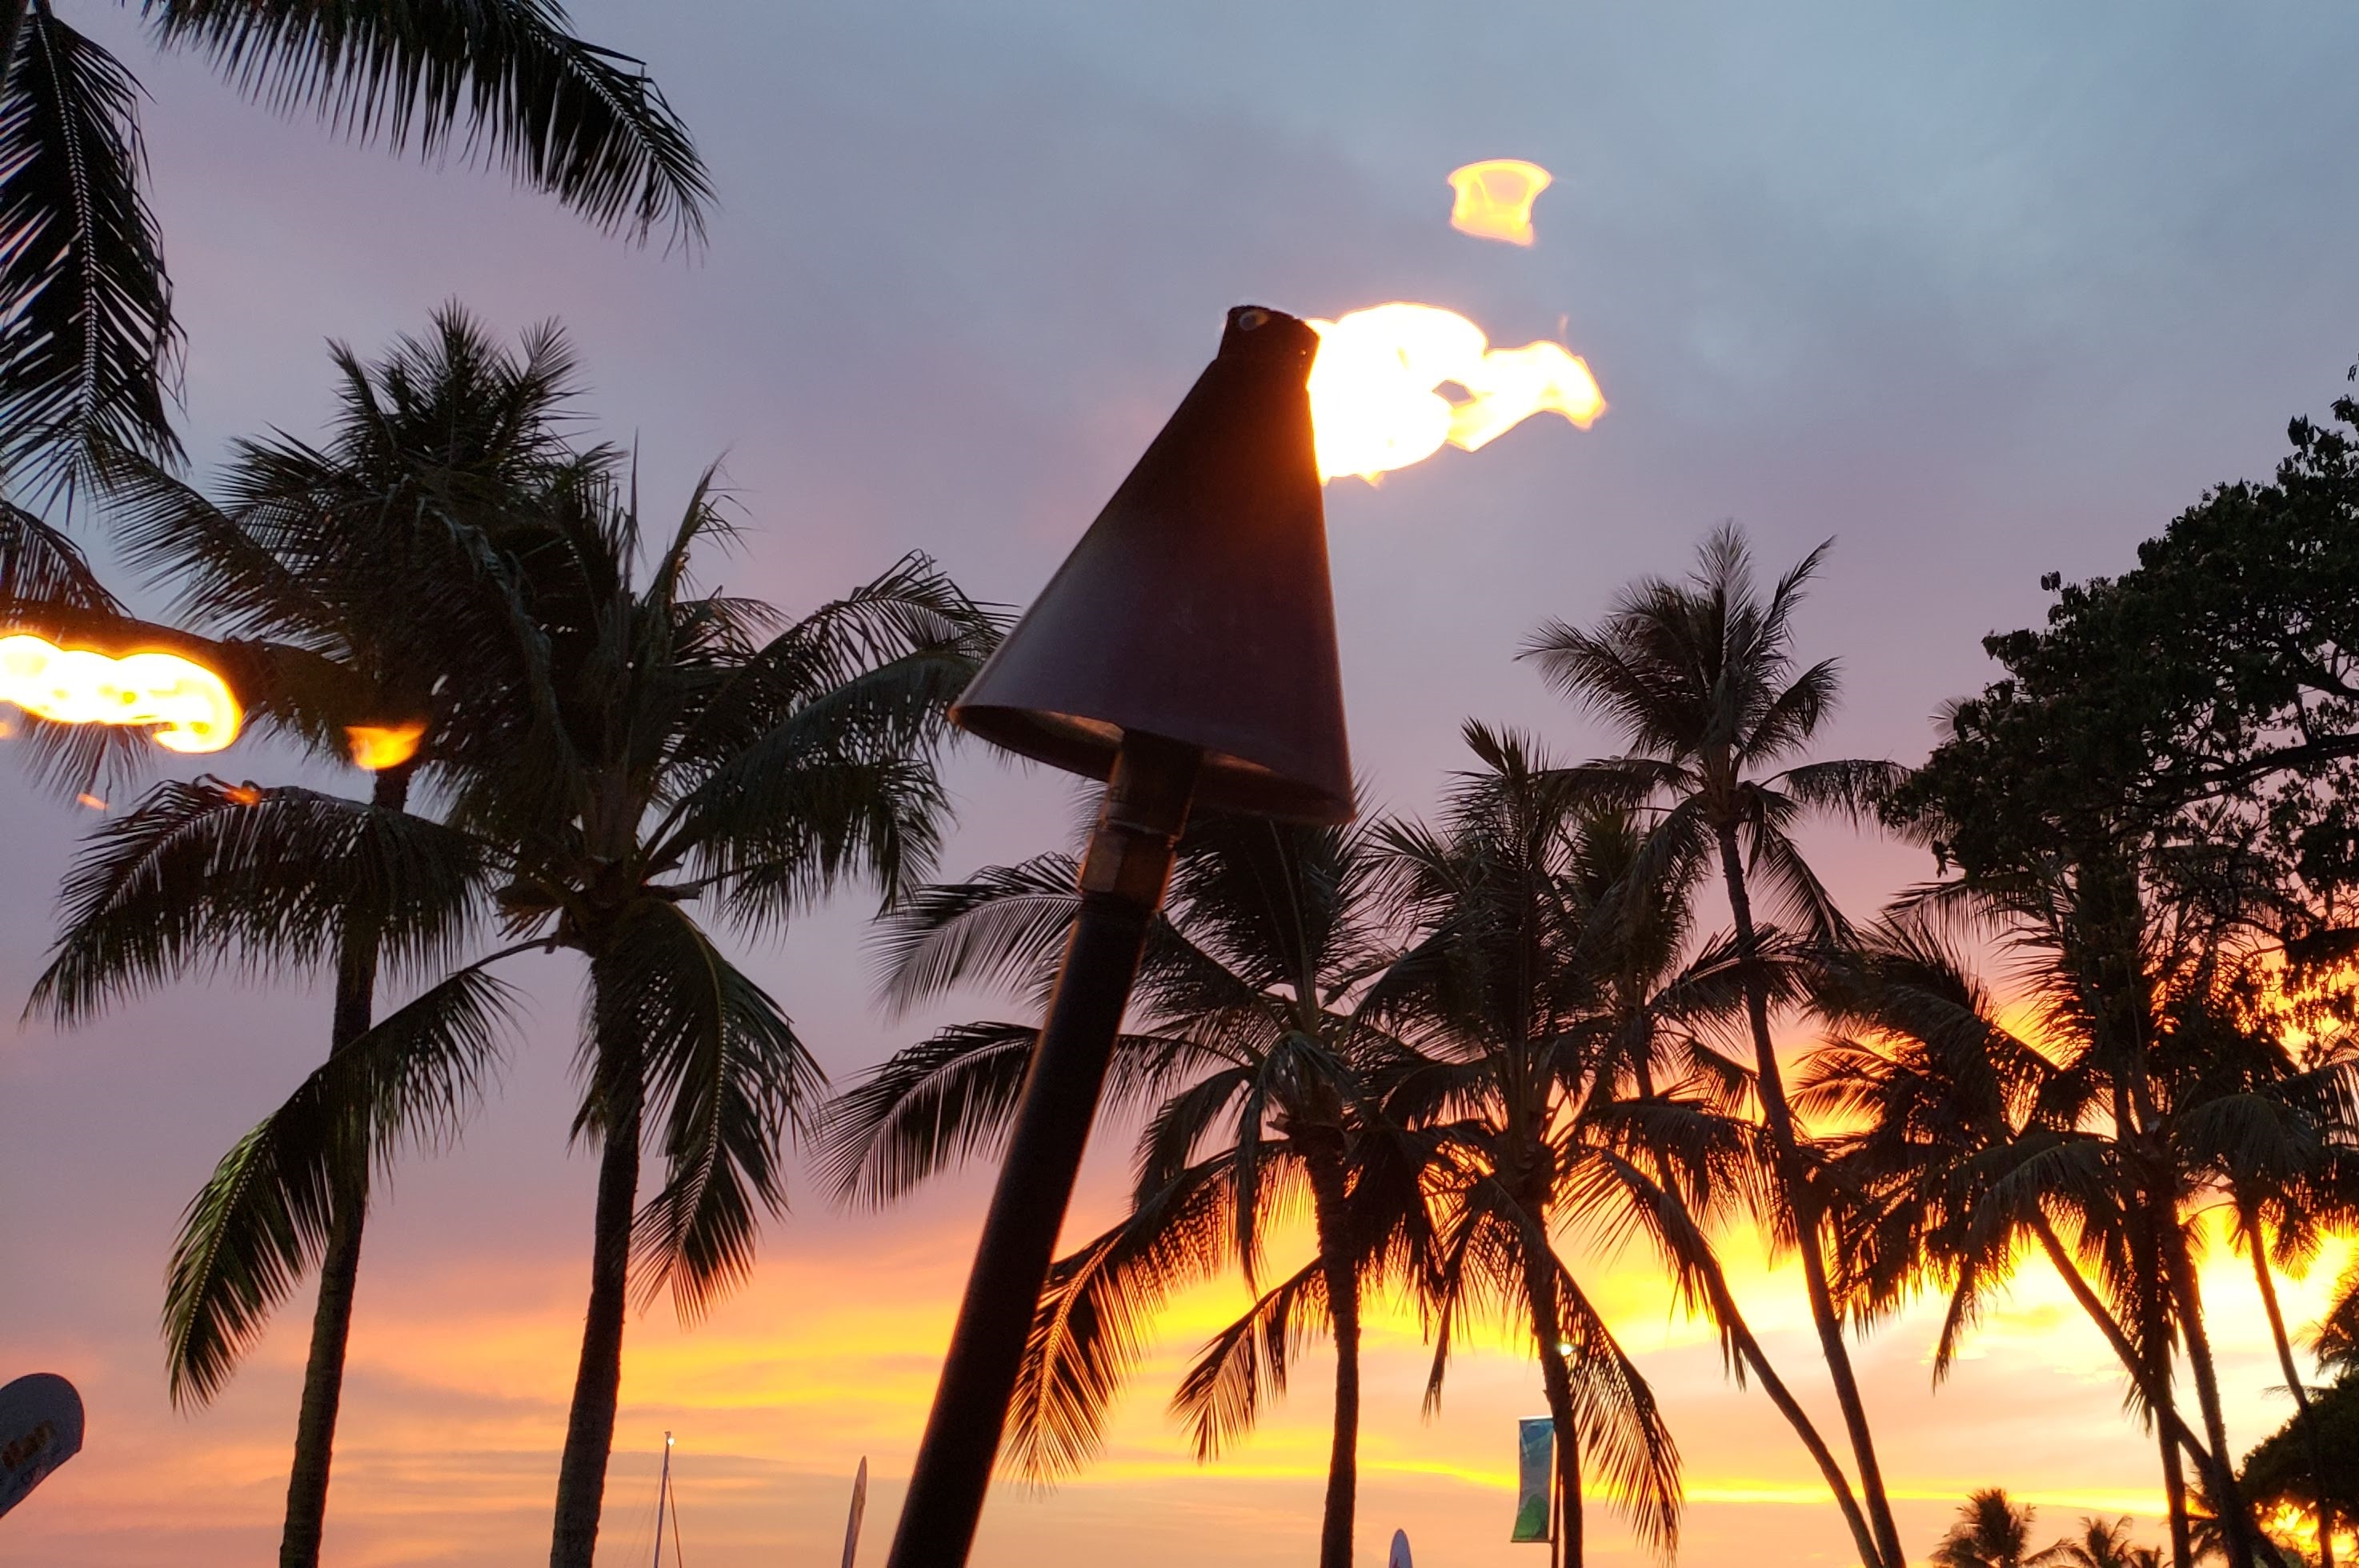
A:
[1994,1532]
[613,762]
[1462,1042]
[1478,1052]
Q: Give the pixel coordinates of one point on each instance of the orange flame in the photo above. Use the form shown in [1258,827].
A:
[1375,403]
[377,747]
[190,705]
[1494,199]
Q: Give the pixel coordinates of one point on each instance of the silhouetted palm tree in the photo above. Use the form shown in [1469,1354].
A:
[669,748]
[88,344]
[1505,992]
[342,585]
[2289,1164]
[1244,1050]
[2335,1342]
[1991,1532]
[1699,677]
[1967,1141]
[692,752]
[2103,1545]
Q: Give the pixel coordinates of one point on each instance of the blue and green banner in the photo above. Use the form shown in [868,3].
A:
[1535,1461]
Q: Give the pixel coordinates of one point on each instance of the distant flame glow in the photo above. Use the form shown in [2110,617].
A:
[189,704]
[1375,399]
[1494,199]
[377,747]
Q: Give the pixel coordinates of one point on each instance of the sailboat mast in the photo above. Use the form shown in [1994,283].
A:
[663,1496]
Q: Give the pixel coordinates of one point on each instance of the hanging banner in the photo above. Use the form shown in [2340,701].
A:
[41,1429]
[1399,1556]
[1535,1462]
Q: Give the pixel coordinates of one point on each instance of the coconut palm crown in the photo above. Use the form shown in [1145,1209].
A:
[1254,1078]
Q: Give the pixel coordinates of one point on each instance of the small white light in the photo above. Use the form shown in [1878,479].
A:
[1564,1348]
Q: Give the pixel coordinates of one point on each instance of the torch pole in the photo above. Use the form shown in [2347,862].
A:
[1122,882]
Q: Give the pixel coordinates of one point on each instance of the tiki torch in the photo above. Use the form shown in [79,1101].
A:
[1184,652]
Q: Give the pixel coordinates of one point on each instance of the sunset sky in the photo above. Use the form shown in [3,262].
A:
[1982,295]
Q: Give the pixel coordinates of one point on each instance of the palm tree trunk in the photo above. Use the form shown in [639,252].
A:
[2175,1431]
[1338,1264]
[2150,1361]
[1556,1378]
[590,1429]
[1809,1239]
[2227,1497]
[1749,1349]
[340,1264]
[2324,1508]
[2174,1491]
[2182,1531]
[332,1321]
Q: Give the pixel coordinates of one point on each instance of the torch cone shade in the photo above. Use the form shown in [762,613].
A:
[1197,607]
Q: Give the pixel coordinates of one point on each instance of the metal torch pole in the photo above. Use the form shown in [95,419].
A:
[1122,883]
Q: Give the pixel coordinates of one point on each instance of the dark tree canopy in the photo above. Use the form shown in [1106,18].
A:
[2197,717]
[2279,1470]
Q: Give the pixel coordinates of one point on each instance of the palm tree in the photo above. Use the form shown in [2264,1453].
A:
[2283,1473]
[1991,1532]
[1504,991]
[1245,1050]
[2103,1545]
[2215,1537]
[691,751]
[669,747]
[2335,1341]
[2288,1157]
[87,352]
[2280,1227]
[1699,677]
[1968,1143]
[335,581]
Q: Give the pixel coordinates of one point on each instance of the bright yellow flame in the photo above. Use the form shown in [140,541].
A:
[1495,196]
[377,747]
[190,705]
[1375,403]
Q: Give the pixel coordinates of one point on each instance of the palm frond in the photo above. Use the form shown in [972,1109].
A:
[727,1081]
[1003,927]
[498,83]
[233,583]
[1244,1367]
[261,1220]
[207,874]
[43,572]
[938,1103]
[1091,1327]
[88,347]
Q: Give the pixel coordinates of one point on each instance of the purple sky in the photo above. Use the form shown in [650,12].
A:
[1982,294]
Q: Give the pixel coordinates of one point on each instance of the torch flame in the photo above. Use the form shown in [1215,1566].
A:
[1494,199]
[190,705]
[1375,403]
[377,747]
